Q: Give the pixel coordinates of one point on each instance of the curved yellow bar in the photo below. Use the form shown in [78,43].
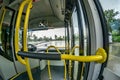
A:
[49,72]
[74,49]
[25,39]
[3,15]
[70,62]
[17,29]
[53,47]
[102,53]
[1,20]
[23,61]
[99,57]
[82,58]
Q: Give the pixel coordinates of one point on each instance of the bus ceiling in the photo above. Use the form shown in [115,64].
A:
[52,12]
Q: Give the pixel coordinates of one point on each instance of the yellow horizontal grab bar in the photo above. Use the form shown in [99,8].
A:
[100,57]
[82,58]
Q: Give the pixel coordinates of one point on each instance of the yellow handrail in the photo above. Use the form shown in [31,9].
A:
[3,15]
[70,62]
[26,60]
[49,72]
[25,39]
[74,49]
[100,57]
[17,29]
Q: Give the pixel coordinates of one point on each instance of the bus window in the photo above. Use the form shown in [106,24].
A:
[81,38]
[41,39]
[75,40]
[112,14]
[6,31]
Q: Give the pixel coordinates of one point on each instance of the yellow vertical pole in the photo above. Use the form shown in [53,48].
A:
[49,71]
[70,61]
[17,29]
[1,20]
[25,38]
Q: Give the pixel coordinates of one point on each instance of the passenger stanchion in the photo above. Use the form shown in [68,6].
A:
[70,61]
[1,20]
[17,29]
[49,72]
[100,57]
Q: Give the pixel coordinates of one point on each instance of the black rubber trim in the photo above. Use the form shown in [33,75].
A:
[81,38]
[105,34]
[87,65]
[45,56]
[5,53]
[62,50]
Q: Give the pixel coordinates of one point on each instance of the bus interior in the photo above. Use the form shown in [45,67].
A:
[53,40]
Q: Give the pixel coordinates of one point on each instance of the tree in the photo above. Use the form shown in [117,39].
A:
[50,38]
[29,39]
[119,31]
[59,38]
[110,15]
[113,24]
[35,37]
[40,39]
[46,38]
[63,37]
[55,37]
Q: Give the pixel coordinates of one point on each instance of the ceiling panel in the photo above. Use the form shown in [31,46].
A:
[40,9]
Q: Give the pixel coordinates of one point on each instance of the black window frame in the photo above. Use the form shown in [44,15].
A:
[105,35]
[4,53]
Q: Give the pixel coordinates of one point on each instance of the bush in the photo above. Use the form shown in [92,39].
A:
[116,38]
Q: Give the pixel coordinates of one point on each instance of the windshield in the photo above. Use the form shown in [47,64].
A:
[41,39]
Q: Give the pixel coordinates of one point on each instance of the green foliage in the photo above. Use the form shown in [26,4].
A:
[110,15]
[55,37]
[115,33]
[111,18]
[116,38]
[35,37]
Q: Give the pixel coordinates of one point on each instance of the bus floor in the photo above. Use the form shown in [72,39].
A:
[56,71]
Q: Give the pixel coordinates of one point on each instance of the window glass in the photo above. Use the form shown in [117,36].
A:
[6,34]
[21,32]
[41,39]
[78,37]
[75,27]
[112,14]
[66,40]
[76,40]
[0,22]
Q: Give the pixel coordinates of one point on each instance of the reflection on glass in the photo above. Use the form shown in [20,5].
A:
[112,14]
[44,38]
[76,40]
[6,34]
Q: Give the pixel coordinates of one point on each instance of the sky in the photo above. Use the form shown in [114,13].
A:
[111,4]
